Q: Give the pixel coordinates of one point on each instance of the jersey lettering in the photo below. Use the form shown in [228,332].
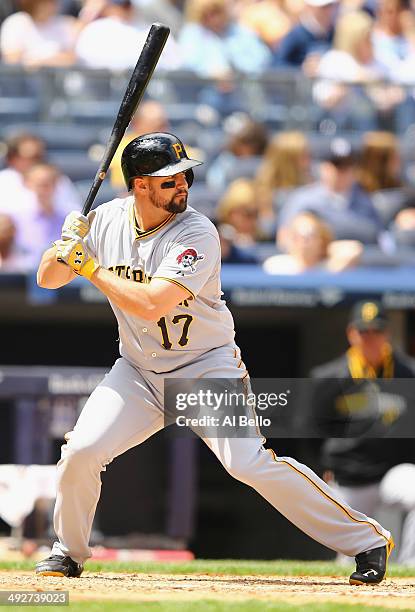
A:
[136,275]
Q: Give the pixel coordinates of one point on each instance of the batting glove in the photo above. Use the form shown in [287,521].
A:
[75,254]
[77,225]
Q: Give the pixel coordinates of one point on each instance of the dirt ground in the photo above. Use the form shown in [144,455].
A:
[396,593]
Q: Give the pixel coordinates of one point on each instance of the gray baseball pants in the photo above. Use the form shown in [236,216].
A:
[127,408]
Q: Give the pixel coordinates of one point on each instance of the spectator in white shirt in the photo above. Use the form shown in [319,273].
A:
[349,72]
[166,11]
[394,39]
[115,39]
[310,246]
[23,152]
[38,35]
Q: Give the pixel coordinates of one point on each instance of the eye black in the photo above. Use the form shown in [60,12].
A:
[168,184]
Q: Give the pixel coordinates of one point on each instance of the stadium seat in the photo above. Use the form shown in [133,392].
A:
[92,112]
[281,196]
[18,110]
[105,193]
[200,173]
[246,167]
[161,88]
[373,256]
[186,87]
[203,199]
[409,173]
[16,82]
[280,97]
[405,244]
[319,143]
[56,135]
[188,134]
[406,146]
[211,141]
[86,84]
[274,116]
[75,164]
[181,113]
[263,250]
[388,203]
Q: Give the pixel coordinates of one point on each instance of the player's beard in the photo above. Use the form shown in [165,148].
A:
[177,204]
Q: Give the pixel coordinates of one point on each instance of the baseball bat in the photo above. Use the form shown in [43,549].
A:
[149,56]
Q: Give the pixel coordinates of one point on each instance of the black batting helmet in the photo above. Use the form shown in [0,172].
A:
[156,154]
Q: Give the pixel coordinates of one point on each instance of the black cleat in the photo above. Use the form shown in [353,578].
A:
[56,565]
[371,566]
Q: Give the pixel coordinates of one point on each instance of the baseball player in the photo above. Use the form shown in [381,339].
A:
[158,262]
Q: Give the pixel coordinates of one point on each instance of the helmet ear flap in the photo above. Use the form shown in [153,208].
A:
[189,177]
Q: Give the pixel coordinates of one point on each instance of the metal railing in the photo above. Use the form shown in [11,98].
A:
[77,94]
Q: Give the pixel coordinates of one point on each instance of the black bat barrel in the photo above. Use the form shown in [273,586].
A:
[150,54]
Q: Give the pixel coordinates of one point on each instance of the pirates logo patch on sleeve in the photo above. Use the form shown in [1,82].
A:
[187,261]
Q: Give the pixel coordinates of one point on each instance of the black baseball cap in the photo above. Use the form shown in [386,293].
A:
[367,315]
[340,153]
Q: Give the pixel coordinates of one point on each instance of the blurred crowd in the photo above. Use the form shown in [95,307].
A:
[275,200]
[278,197]
[372,38]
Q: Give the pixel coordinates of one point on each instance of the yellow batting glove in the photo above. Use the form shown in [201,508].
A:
[77,225]
[75,254]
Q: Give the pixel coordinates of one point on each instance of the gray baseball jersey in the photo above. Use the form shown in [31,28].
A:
[183,250]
